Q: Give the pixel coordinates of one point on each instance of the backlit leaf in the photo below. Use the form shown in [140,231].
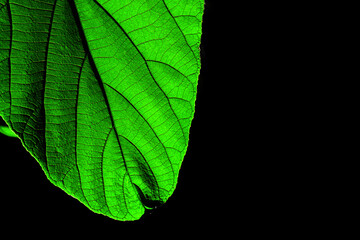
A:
[102,94]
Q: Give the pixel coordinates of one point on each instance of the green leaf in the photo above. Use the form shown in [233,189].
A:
[102,94]
[7,131]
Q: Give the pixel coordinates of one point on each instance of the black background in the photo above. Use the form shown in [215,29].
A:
[202,199]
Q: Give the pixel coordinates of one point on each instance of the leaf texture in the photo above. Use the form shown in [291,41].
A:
[102,94]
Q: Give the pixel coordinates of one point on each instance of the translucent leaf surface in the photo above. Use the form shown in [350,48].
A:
[102,94]
[7,131]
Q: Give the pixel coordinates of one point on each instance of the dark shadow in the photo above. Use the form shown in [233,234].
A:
[148,203]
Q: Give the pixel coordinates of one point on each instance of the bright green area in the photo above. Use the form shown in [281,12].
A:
[7,131]
[102,94]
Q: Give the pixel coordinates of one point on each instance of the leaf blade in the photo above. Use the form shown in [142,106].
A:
[105,97]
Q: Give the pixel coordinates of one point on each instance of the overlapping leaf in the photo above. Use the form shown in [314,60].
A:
[102,94]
